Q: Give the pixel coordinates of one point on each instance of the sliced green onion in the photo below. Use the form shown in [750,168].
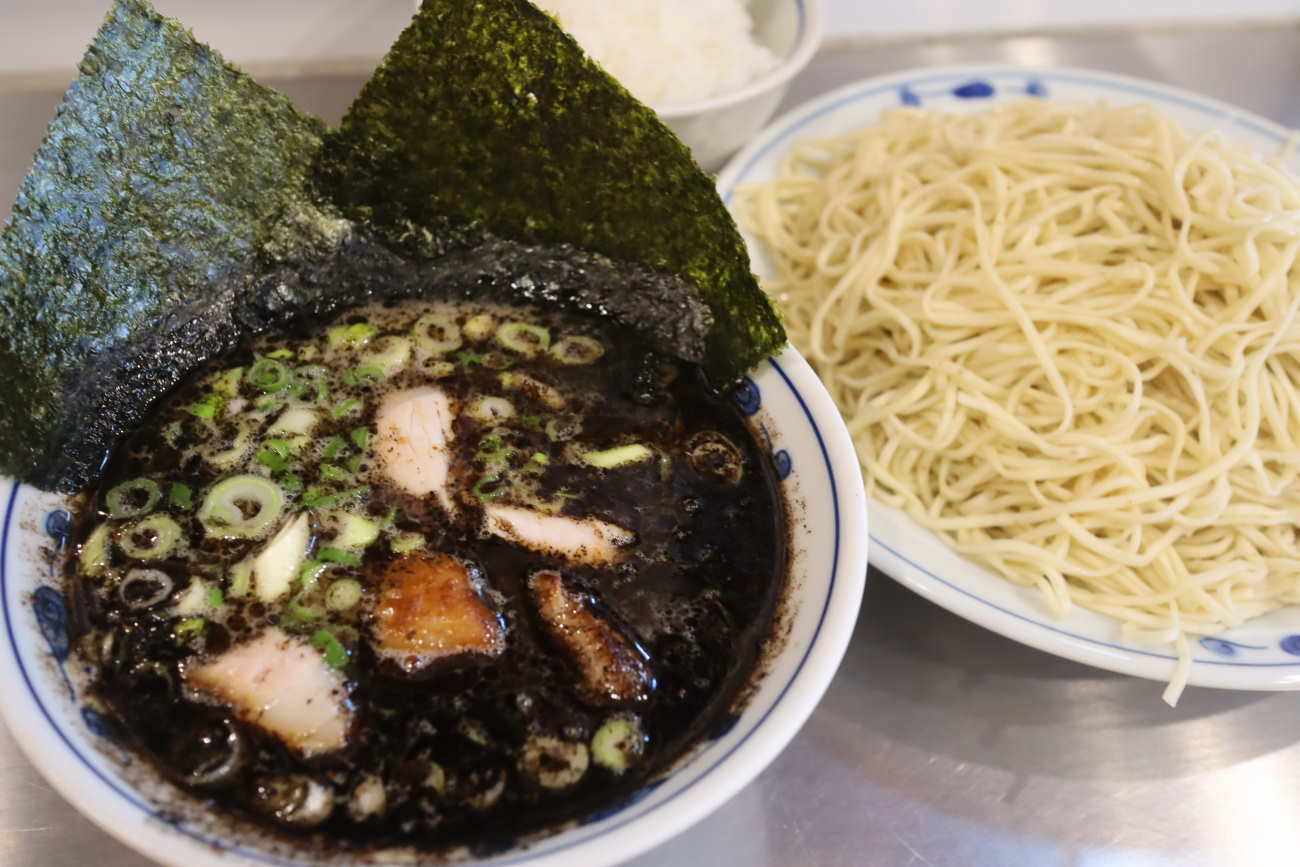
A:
[405,543]
[241,579]
[484,488]
[208,406]
[275,454]
[343,594]
[145,588]
[532,422]
[562,428]
[162,532]
[268,405]
[355,531]
[523,337]
[228,383]
[181,495]
[540,458]
[389,353]
[134,497]
[480,326]
[334,448]
[309,573]
[618,743]
[360,437]
[336,655]
[439,369]
[94,551]
[318,498]
[281,353]
[490,445]
[490,408]
[576,350]
[554,763]
[241,507]
[239,447]
[436,333]
[189,626]
[216,598]
[268,376]
[172,432]
[364,374]
[332,473]
[351,335]
[304,612]
[344,408]
[338,555]
[619,456]
[291,483]
[354,463]
[468,358]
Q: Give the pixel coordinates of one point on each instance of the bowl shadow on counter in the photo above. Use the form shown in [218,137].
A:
[916,674]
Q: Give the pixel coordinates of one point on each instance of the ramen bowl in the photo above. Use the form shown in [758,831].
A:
[74,747]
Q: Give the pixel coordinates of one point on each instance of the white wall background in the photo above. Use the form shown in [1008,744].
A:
[51,34]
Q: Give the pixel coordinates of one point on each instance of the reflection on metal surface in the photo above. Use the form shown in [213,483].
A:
[939,743]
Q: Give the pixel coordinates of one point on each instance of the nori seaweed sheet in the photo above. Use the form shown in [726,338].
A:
[164,174]
[172,211]
[536,142]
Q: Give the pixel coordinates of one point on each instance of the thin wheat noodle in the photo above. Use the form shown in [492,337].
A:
[1066,338]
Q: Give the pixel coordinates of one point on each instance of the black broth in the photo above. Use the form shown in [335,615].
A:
[697,591]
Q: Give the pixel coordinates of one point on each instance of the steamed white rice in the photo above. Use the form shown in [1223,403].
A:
[668,52]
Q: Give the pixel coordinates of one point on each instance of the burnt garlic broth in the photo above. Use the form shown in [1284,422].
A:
[428,575]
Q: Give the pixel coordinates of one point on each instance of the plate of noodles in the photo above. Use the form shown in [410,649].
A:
[1060,312]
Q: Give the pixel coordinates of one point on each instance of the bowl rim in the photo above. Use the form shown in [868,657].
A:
[131,817]
[808,40]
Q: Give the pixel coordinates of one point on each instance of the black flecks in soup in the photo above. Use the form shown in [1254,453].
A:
[428,575]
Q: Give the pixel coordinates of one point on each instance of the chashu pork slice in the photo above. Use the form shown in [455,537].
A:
[581,541]
[430,608]
[413,442]
[610,667]
[281,684]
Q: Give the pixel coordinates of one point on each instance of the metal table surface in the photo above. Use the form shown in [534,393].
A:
[938,743]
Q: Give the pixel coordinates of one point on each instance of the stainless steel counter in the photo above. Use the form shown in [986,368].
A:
[938,743]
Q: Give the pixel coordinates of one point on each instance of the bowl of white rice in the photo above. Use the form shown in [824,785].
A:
[714,70]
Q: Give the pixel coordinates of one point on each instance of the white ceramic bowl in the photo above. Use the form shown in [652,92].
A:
[715,128]
[811,448]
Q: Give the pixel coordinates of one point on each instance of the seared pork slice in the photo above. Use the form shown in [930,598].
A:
[430,608]
[610,667]
[282,685]
[579,540]
[413,437]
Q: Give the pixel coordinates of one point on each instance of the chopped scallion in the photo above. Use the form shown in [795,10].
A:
[336,655]
[343,594]
[268,376]
[181,495]
[344,408]
[338,555]
[208,406]
[364,374]
[133,497]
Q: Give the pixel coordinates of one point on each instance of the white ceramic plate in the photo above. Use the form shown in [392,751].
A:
[1264,654]
[66,739]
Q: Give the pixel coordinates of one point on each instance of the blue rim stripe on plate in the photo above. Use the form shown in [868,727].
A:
[876,540]
[891,85]
[266,858]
